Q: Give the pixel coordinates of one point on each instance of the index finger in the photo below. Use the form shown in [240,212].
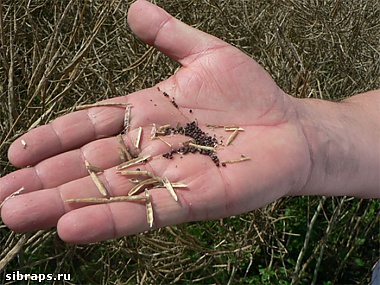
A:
[66,133]
[74,130]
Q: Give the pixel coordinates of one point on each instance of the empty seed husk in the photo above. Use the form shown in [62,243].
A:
[178,185]
[104,104]
[134,180]
[127,118]
[121,155]
[107,200]
[24,145]
[125,151]
[149,209]
[95,178]
[233,128]
[138,138]
[139,186]
[163,128]
[236,160]
[169,187]
[92,168]
[133,161]
[18,192]
[214,126]
[232,137]
[153,131]
[174,185]
[136,173]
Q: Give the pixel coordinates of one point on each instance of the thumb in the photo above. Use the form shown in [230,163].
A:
[174,38]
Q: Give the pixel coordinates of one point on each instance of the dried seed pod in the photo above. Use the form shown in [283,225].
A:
[232,137]
[233,128]
[153,132]
[134,180]
[149,209]
[136,173]
[139,186]
[236,160]
[92,168]
[95,178]
[212,126]
[133,161]
[169,187]
[163,128]
[138,138]
[104,104]
[107,200]
[174,185]
[127,118]
[126,154]
[18,192]
[121,155]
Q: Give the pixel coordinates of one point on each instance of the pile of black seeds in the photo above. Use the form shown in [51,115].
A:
[199,137]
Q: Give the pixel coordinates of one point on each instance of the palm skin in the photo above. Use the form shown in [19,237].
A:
[221,86]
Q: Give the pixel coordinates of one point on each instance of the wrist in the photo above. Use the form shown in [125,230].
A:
[344,149]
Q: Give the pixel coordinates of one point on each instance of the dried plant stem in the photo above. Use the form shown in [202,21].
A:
[297,274]
[236,160]
[12,195]
[164,141]
[201,146]
[13,252]
[104,104]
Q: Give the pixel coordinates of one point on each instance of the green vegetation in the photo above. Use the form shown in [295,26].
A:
[57,54]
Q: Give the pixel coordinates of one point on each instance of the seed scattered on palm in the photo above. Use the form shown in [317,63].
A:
[144,180]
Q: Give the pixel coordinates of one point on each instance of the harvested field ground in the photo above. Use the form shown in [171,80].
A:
[55,55]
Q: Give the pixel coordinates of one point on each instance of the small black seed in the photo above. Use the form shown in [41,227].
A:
[175,104]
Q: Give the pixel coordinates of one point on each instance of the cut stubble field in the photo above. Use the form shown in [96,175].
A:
[58,55]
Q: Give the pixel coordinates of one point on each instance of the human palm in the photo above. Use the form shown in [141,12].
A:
[216,85]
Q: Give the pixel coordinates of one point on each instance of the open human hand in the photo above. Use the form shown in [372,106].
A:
[216,85]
